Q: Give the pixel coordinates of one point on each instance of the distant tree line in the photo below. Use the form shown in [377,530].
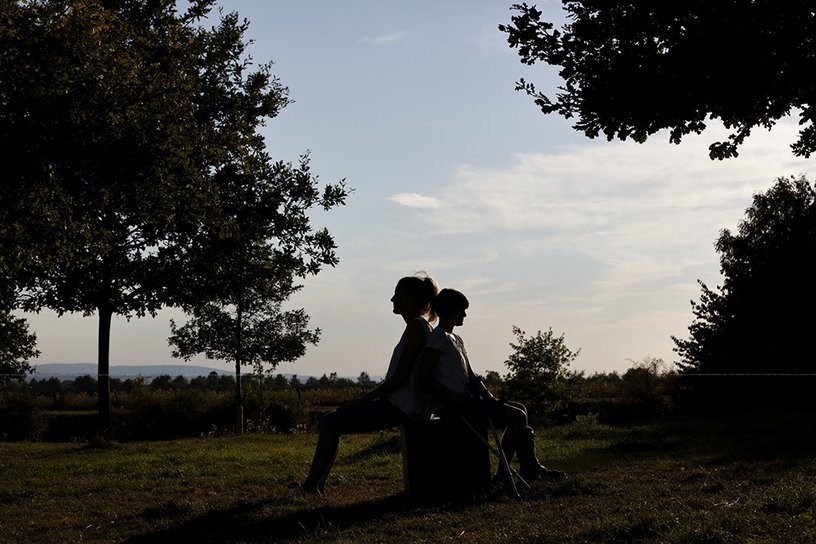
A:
[167,407]
[214,381]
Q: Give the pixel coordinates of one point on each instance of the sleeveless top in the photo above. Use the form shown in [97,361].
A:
[452,368]
[409,398]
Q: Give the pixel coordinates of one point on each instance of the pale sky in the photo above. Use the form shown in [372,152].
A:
[457,174]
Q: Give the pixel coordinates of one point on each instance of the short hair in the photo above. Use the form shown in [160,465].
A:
[422,288]
[448,301]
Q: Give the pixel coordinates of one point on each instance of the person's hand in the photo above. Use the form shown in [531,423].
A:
[488,405]
[480,389]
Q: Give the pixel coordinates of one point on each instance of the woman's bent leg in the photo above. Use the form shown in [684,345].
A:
[371,416]
[328,442]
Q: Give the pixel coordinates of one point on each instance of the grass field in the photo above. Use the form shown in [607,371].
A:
[729,479]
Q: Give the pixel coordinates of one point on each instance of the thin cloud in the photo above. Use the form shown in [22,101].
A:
[416,200]
[385,39]
[636,192]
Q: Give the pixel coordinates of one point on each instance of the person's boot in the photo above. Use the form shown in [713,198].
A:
[531,468]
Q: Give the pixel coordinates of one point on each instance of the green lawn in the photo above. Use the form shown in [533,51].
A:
[731,479]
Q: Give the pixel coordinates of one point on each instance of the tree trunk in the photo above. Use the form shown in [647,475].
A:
[104,420]
[239,407]
[239,396]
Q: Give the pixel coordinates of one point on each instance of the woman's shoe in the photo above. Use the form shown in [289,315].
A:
[300,492]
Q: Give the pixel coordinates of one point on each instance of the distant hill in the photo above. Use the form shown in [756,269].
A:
[72,370]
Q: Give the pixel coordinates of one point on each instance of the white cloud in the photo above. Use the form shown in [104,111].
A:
[415,200]
[617,199]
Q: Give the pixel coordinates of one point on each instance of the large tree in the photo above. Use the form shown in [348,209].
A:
[104,153]
[760,320]
[632,68]
[117,120]
[243,272]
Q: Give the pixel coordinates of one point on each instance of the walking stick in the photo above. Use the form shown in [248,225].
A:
[503,460]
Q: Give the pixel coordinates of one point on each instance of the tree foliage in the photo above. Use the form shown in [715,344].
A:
[17,347]
[101,136]
[17,344]
[257,334]
[124,128]
[538,370]
[632,68]
[245,269]
[263,335]
[759,320]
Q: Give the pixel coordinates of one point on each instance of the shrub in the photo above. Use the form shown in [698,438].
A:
[166,415]
[20,417]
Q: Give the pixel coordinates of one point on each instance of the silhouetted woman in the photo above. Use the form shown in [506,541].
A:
[396,399]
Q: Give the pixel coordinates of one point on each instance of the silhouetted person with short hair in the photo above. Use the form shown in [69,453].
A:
[446,373]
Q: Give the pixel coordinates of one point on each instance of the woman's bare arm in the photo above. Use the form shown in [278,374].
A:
[413,342]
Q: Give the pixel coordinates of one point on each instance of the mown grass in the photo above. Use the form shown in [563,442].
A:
[706,480]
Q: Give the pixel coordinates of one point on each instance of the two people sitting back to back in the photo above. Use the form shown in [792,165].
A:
[429,373]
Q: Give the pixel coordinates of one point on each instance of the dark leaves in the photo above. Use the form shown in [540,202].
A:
[633,68]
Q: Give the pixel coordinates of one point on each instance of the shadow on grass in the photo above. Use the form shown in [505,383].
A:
[287,520]
[275,521]
[249,522]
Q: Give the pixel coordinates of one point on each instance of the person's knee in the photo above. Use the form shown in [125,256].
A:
[515,416]
[517,404]
[329,422]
